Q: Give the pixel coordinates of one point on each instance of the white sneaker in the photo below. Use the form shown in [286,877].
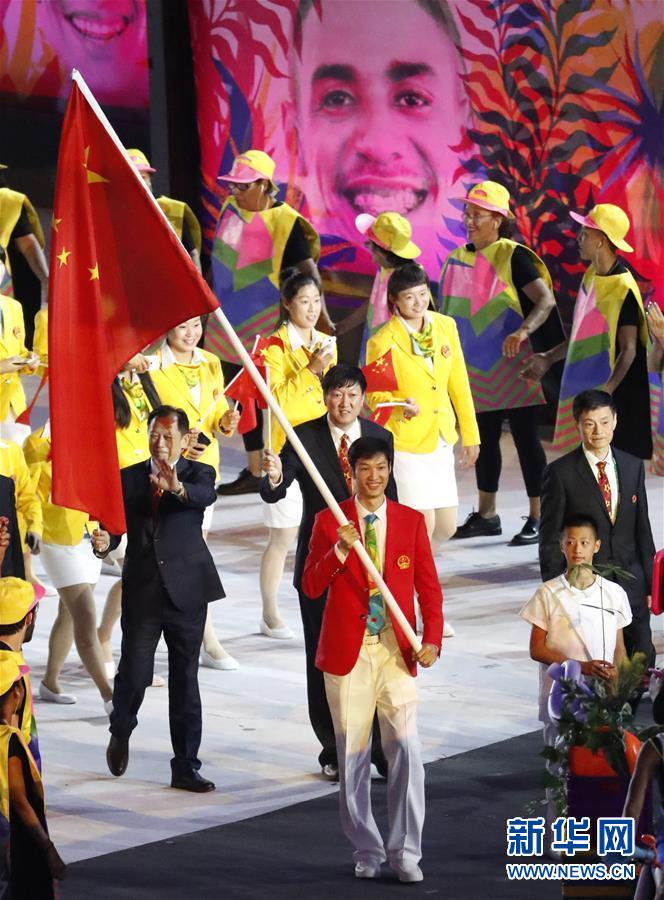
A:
[51,696]
[110,670]
[408,873]
[448,631]
[366,870]
[281,634]
[108,707]
[158,681]
[227,663]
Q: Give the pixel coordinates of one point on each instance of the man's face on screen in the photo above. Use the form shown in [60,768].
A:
[378,110]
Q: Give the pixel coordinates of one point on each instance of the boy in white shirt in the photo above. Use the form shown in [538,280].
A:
[578,615]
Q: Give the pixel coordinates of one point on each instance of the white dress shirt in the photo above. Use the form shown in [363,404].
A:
[380,524]
[611,474]
[428,359]
[354,432]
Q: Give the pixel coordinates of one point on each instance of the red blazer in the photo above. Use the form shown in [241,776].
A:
[408,568]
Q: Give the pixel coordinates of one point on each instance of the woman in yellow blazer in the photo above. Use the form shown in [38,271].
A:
[15,360]
[296,359]
[74,570]
[28,507]
[191,378]
[434,395]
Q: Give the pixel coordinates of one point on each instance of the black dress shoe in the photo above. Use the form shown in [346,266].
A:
[478,526]
[192,781]
[117,755]
[245,483]
[379,761]
[529,534]
[330,771]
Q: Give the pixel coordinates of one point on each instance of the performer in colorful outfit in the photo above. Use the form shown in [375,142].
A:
[18,612]
[73,571]
[607,348]
[297,357]
[388,241]
[178,213]
[256,238]
[28,859]
[191,379]
[499,292]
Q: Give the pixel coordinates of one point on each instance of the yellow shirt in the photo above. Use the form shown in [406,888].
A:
[440,387]
[295,387]
[28,508]
[12,343]
[205,411]
[62,526]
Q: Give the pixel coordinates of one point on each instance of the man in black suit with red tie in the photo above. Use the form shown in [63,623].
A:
[327,440]
[598,480]
[168,579]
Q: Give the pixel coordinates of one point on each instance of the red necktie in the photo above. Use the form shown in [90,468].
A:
[343,462]
[604,486]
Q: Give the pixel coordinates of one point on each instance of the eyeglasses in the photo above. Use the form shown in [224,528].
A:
[241,186]
[475,217]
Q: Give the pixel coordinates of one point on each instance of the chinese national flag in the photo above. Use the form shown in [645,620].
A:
[380,374]
[382,415]
[243,389]
[119,278]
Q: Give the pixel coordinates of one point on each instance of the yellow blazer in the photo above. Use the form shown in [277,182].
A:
[28,508]
[295,387]
[62,526]
[12,343]
[441,391]
[132,441]
[174,390]
[40,339]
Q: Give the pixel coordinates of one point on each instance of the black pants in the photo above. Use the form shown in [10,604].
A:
[523,425]
[637,635]
[144,619]
[319,710]
[253,440]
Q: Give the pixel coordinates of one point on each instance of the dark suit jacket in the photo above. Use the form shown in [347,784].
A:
[171,544]
[316,437]
[569,488]
[13,563]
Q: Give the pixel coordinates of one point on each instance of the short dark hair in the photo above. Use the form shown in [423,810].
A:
[6,630]
[290,282]
[579,520]
[170,412]
[367,448]
[408,276]
[587,401]
[342,375]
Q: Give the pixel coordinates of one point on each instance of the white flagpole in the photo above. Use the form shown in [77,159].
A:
[269,417]
[248,363]
[316,477]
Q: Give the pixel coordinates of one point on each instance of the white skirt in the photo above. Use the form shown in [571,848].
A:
[286,513]
[66,566]
[207,517]
[426,480]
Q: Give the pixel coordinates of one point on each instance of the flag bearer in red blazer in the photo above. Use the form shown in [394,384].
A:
[367,661]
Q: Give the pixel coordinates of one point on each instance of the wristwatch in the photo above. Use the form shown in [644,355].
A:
[179,492]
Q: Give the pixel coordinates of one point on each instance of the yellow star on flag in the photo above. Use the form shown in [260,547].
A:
[92,176]
[62,256]
[94,272]
[54,223]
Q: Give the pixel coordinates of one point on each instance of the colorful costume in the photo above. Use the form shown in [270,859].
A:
[183,220]
[27,722]
[249,252]
[606,302]
[12,205]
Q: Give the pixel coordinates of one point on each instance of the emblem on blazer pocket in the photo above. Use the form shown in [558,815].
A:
[215,394]
[16,331]
[404,562]
[445,350]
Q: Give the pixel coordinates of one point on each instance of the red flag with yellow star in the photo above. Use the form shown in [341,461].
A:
[380,374]
[119,278]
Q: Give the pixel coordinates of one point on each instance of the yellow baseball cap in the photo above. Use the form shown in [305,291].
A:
[140,160]
[390,231]
[492,196]
[17,598]
[610,220]
[251,166]
[10,671]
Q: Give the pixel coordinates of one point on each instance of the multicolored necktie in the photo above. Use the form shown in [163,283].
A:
[135,393]
[191,374]
[604,486]
[345,465]
[376,617]
[423,341]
